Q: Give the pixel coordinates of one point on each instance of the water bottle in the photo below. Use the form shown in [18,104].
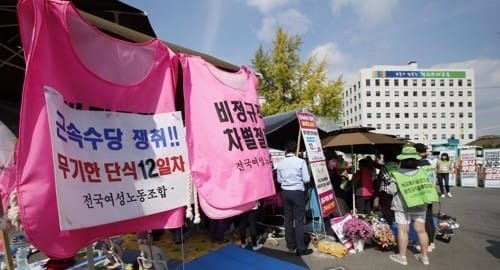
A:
[22,259]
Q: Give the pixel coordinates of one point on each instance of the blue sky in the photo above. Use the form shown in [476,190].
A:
[353,34]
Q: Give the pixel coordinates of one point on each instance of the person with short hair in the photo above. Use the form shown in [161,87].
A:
[293,174]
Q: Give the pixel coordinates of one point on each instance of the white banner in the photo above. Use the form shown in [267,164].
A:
[112,166]
[7,145]
[491,174]
[468,168]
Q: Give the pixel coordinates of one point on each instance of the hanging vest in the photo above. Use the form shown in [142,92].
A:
[228,153]
[92,71]
[416,190]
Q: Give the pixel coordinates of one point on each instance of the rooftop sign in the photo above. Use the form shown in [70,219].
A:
[418,74]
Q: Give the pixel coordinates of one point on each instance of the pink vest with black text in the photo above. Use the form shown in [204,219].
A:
[228,153]
[92,71]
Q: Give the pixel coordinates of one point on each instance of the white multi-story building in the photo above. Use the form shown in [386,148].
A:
[422,105]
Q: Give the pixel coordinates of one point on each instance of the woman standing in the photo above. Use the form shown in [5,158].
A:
[443,169]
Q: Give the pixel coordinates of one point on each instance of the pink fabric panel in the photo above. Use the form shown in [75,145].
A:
[227,173]
[52,60]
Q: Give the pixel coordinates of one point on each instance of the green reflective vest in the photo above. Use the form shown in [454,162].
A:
[416,190]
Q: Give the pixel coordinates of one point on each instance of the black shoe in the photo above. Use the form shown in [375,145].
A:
[304,252]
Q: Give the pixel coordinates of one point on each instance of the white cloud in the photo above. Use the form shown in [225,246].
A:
[265,6]
[487,81]
[293,21]
[212,25]
[336,61]
[370,12]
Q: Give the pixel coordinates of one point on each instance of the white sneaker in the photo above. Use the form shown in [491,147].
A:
[442,195]
[432,245]
[399,259]
[243,245]
[423,259]
[257,247]
[449,195]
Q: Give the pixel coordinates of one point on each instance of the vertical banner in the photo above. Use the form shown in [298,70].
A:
[317,162]
[112,166]
[491,168]
[452,154]
[468,168]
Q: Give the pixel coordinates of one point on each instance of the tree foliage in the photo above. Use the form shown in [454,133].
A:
[287,83]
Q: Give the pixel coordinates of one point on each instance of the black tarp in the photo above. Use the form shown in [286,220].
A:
[284,127]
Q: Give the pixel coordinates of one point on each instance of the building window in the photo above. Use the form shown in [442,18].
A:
[469,103]
[424,104]
[451,93]
[442,93]
[443,136]
[469,93]
[368,93]
[415,104]
[433,82]
[424,115]
[379,115]
[415,126]
[434,115]
[415,115]
[405,82]
[415,93]
[379,126]
[443,115]
[377,104]
[377,82]
[443,125]
[407,115]
[460,104]
[396,93]
[471,137]
[387,126]
[452,104]
[369,125]
[407,126]
[470,125]
[459,82]
[450,83]
[452,125]
[469,114]
[424,125]
[434,136]
[396,82]
[367,82]
[387,115]
[414,82]
[386,82]
[398,126]
[368,104]
[424,82]
[405,93]
[433,104]
[441,82]
[396,115]
[469,82]
[387,104]
[387,93]
[452,115]
[396,104]
[460,93]
[433,93]
[443,104]
[434,126]
[424,93]
[377,93]
[405,104]
[460,115]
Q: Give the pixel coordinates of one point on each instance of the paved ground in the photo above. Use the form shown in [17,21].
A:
[475,245]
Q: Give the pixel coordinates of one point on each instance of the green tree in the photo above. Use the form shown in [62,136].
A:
[287,83]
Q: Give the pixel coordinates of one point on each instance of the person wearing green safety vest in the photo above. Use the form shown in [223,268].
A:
[427,167]
[412,192]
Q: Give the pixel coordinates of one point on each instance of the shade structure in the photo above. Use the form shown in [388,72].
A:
[488,141]
[283,127]
[361,141]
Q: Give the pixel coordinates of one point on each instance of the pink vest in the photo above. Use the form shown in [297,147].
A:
[92,71]
[228,152]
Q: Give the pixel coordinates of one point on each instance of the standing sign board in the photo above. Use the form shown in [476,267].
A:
[491,168]
[317,162]
[468,168]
